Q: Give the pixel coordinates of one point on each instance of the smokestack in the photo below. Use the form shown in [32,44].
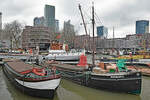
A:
[0,21]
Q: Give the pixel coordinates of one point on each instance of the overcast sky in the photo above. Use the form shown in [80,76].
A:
[120,14]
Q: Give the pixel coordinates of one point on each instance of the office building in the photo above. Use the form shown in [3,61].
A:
[49,14]
[142,26]
[56,25]
[102,31]
[39,21]
[68,28]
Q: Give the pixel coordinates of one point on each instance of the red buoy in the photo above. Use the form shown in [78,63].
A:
[83,61]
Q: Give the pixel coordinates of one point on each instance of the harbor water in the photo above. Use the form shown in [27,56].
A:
[71,91]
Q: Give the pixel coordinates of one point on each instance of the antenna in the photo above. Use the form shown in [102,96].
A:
[113,39]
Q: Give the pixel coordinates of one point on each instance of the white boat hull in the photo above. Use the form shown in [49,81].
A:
[49,84]
[63,57]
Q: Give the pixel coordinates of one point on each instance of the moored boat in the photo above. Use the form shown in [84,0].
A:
[143,69]
[116,77]
[128,81]
[59,52]
[110,77]
[34,81]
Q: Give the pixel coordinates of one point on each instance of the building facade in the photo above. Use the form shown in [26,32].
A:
[130,42]
[35,36]
[68,33]
[0,21]
[39,21]
[68,27]
[49,14]
[102,31]
[142,26]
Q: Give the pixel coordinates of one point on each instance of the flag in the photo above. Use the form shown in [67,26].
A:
[58,36]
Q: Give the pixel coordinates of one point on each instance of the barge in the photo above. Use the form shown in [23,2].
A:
[34,81]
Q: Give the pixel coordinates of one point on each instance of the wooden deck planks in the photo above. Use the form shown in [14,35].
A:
[19,66]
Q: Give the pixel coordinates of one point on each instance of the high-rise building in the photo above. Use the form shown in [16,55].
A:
[69,33]
[0,20]
[56,25]
[69,28]
[39,21]
[102,31]
[49,14]
[142,26]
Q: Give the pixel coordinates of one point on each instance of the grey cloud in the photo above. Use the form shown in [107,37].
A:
[127,13]
[16,7]
[124,15]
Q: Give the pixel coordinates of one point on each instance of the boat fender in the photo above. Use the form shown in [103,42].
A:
[54,68]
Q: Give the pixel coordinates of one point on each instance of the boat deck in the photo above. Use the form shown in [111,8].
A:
[19,66]
[69,67]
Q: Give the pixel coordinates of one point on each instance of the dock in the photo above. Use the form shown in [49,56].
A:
[23,57]
[16,56]
[131,63]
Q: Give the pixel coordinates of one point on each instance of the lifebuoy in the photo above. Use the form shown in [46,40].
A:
[39,72]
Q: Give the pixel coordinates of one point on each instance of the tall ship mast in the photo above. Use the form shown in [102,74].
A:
[93,25]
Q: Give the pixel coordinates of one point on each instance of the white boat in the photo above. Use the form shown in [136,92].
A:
[62,55]
[59,52]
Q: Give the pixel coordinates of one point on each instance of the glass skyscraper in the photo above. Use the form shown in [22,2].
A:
[49,14]
[142,26]
[102,31]
[56,25]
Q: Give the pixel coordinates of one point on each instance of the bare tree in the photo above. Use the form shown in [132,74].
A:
[68,37]
[13,31]
[1,35]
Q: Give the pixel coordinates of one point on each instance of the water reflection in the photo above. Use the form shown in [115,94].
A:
[71,91]
[93,94]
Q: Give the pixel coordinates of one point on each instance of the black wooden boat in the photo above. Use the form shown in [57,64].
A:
[116,77]
[40,82]
[73,73]
[126,81]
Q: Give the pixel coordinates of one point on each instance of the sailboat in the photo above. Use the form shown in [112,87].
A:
[101,77]
[119,79]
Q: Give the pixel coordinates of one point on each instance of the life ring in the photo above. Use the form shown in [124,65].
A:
[39,72]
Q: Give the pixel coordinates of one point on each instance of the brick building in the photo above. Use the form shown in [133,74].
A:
[132,42]
[35,36]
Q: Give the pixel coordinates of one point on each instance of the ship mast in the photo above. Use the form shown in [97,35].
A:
[83,19]
[93,25]
[85,28]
